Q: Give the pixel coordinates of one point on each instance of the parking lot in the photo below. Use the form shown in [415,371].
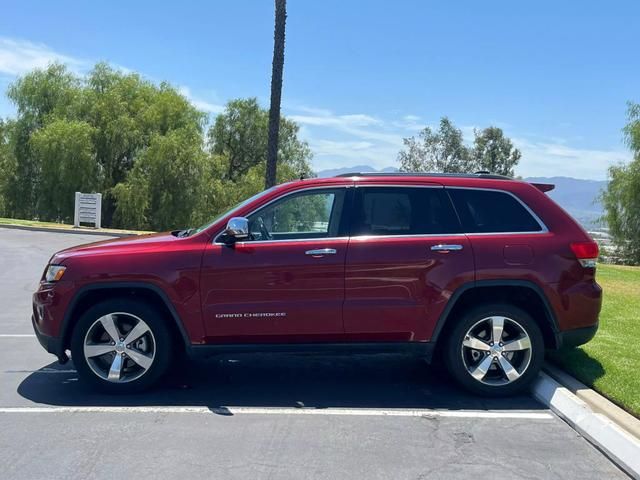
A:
[259,416]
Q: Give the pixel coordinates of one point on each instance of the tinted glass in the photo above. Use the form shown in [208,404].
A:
[306,215]
[402,211]
[487,211]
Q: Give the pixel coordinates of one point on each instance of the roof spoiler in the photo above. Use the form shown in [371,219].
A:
[544,187]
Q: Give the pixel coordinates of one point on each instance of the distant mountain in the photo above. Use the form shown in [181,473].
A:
[578,197]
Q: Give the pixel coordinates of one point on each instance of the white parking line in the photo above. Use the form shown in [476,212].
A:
[17,335]
[427,413]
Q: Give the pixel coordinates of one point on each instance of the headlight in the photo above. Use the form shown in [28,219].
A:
[54,273]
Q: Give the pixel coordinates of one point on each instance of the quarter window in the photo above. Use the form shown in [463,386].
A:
[402,211]
[491,211]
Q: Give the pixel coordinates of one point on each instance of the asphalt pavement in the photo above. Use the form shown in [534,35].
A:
[260,416]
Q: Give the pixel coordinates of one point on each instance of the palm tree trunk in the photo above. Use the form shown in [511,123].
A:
[276,92]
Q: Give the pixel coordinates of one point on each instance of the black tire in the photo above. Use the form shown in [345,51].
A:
[160,336]
[461,360]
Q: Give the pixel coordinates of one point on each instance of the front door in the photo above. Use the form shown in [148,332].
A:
[287,282]
[406,257]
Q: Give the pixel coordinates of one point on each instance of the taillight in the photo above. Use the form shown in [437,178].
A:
[586,253]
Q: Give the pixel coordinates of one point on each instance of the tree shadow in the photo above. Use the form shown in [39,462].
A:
[259,380]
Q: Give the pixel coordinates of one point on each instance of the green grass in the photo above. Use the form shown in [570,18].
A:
[610,363]
[59,226]
[27,223]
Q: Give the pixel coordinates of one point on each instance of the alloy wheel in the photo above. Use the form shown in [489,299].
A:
[119,347]
[496,351]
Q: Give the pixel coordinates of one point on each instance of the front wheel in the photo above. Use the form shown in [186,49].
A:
[495,350]
[121,346]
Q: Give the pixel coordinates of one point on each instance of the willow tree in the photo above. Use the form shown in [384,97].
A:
[621,199]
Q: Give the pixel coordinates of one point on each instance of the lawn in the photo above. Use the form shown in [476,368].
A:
[610,363]
[59,226]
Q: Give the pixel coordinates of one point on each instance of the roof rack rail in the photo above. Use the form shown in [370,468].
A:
[482,174]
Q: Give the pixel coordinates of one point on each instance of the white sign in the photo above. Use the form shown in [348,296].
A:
[88,209]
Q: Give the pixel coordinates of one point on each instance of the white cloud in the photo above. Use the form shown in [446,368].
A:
[200,103]
[356,139]
[337,121]
[335,153]
[557,158]
[305,109]
[339,140]
[411,123]
[331,147]
[18,57]
[468,133]
[357,125]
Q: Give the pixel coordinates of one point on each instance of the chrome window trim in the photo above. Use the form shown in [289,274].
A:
[487,234]
[308,189]
[260,242]
[427,235]
[538,220]
[423,235]
[417,235]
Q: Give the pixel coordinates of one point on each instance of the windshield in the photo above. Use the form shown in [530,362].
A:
[233,210]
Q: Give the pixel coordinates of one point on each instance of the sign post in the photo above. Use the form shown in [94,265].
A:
[88,209]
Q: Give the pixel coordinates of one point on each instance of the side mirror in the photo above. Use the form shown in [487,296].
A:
[237,229]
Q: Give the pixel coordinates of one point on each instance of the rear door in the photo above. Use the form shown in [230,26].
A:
[509,240]
[406,256]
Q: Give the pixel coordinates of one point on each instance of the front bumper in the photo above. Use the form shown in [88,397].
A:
[50,302]
[575,337]
[52,345]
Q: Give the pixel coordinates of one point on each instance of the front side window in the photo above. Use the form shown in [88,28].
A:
[492,211]
[234,209]
[403,211]
[313,214]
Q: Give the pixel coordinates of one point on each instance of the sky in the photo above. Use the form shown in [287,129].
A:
[360,76]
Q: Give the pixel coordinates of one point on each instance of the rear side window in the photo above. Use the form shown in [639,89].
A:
[402,211]
[490,211]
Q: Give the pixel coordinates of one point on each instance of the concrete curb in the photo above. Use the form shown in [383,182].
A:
[64,230]
[618,444]
[596,402]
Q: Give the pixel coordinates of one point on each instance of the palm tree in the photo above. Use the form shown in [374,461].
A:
[276,92]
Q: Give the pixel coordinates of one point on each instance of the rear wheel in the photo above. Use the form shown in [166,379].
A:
[495,350]
[121,346]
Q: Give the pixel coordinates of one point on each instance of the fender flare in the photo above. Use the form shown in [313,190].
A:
[550,314]
[65,329]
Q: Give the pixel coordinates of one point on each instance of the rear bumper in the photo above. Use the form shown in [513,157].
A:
[50,344]
[575,337]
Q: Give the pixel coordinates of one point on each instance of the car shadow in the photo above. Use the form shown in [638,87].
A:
[578,363]
[260,380]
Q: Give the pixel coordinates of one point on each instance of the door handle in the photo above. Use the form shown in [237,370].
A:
[321,251]
[446,248]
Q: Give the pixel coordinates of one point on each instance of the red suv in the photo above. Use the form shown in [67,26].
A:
[482,270]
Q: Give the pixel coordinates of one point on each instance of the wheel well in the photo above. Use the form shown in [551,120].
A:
[520,296]
[94,296]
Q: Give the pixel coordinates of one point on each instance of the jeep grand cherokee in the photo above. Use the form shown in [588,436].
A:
[484,271]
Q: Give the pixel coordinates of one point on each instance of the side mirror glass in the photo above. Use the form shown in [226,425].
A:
[237,229]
